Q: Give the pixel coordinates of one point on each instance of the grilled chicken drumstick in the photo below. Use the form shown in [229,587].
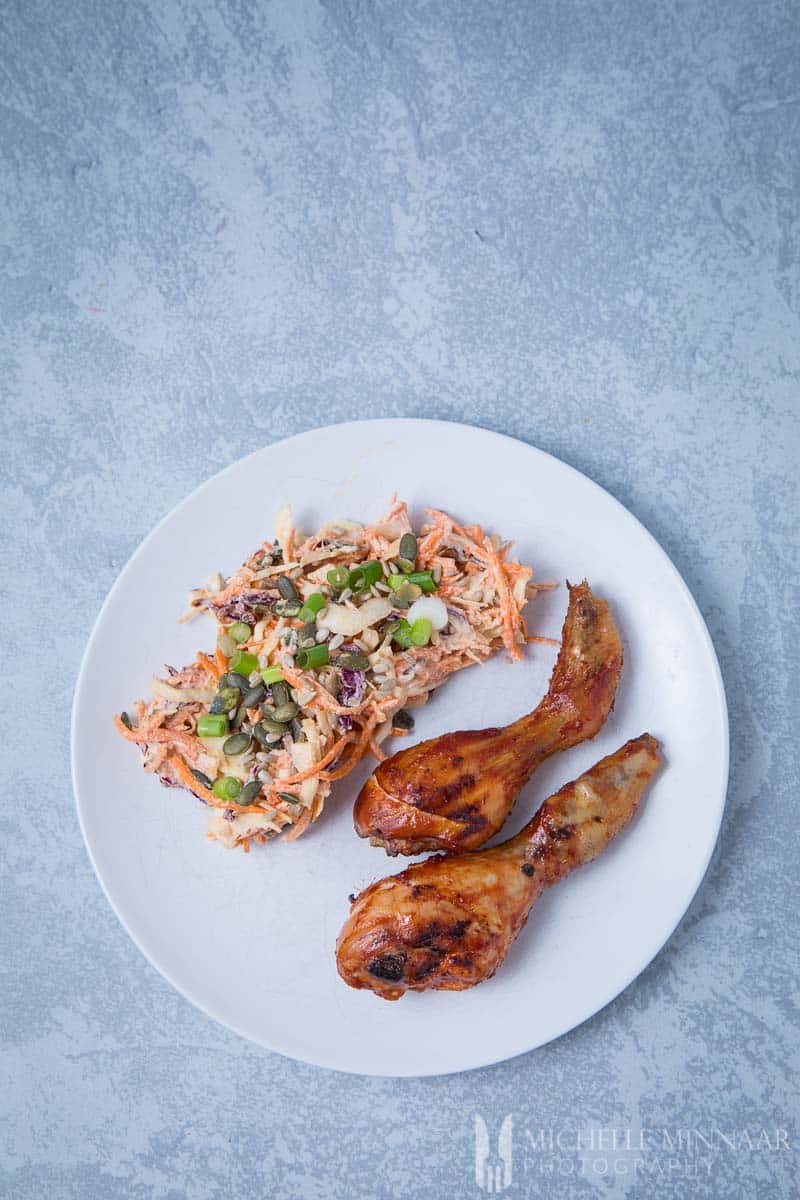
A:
[448,922]
[454,792]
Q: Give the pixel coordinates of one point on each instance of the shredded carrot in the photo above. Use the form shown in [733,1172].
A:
[301,824]
[210,665]
[316,767]
[151,736]
[543,641]
[380,754]
[474,574]
[184,773]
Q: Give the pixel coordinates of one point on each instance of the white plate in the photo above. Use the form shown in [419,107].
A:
[250,938]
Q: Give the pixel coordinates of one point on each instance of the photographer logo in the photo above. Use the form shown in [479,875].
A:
[493,1170]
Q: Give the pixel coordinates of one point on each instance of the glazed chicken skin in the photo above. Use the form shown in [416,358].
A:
[447,923]
[454,792]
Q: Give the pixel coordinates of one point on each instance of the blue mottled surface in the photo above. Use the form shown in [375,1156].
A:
[224,222]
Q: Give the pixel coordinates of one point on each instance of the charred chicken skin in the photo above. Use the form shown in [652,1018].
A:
[447,923]
[454,792]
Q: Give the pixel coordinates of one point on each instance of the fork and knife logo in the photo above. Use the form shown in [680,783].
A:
[493,1170]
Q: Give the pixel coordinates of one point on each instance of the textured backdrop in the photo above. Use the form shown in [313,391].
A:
[224,222]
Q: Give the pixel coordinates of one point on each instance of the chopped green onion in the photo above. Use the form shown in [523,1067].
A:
[421,632]
[227,788]
[423,579]
[212,726]
[312,657]
[363,576]
[239,632]
[313,604]
[243,663]
[272,675]
[337,577]
[405,565]
[316,601]
[402,635]
[396,581]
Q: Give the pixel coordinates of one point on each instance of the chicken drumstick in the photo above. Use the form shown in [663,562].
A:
[454,792]
[448,922]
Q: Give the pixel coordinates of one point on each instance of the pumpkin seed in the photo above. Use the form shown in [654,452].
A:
[287,588]
[407,550]
[352,661]
[225,701]
[238,717]
[234,679]
[126,721]
[261,734]
[269,725]
[298,732]
[290,796]
[406,594]
[250,792]
[280,693]
[236,744]
[201,778]
[253,696]
[284,712]
[287,608]
[403,719]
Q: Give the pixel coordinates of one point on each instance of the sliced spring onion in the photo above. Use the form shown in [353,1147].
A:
[432,608]
[423,579]
[363,576]
[402,635]
[212,725]
[337,577]
[272,674]
[312,657]
[244,663]
[227,788]
[313,604]
[421,632]
[240,632]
